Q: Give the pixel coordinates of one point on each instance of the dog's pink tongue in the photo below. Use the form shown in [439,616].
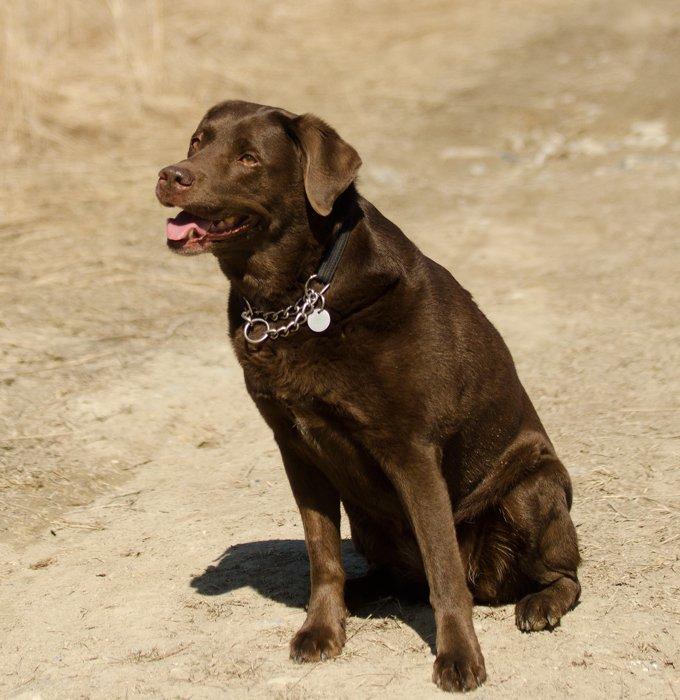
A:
[180,227]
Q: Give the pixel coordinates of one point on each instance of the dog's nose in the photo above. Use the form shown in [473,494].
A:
[176,177]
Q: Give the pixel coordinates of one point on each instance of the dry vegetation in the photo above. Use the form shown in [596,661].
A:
[76,72]
[535,152]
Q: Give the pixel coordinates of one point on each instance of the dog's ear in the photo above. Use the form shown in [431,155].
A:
[330,164]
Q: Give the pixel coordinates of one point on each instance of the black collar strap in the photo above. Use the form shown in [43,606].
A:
[331,258]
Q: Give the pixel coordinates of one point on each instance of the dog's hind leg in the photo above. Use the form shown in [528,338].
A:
[552,551]
[393,558]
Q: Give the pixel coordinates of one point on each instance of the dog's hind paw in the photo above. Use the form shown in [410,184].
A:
[536,612]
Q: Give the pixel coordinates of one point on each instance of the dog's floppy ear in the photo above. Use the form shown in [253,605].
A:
[330,164]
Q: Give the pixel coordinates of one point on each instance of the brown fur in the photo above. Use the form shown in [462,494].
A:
[407,410]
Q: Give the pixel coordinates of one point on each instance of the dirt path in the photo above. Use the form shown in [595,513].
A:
[149,545]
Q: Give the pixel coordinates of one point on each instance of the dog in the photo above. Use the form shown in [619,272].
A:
[386,388]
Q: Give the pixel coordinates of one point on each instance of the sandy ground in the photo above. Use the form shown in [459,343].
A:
[149,545]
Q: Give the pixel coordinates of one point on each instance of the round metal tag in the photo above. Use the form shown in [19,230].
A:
[319,320]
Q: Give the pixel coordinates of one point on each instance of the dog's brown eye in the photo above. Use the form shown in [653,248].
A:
[195,141]
[248,159]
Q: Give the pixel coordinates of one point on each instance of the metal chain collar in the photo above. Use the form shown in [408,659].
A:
[293,316]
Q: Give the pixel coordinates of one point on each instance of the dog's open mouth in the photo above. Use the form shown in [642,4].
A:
[187,233]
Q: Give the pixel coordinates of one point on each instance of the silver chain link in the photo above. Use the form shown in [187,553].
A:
[298,313]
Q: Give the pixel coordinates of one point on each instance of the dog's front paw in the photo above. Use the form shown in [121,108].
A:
[317,643]
[459,671]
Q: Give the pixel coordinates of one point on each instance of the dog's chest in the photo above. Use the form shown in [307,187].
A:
[286,371]
[316,390]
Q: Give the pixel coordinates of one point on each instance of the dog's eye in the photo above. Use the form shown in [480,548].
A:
[248,159]
[194,143]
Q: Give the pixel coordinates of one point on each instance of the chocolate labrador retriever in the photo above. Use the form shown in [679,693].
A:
[387,389]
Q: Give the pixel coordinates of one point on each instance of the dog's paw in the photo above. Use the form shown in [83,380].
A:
[317,643]
[538,611]
[459,671]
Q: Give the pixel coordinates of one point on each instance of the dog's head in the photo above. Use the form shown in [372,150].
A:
[251,170]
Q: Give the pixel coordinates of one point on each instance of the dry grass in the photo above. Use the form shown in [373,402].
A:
[77,69]
[153,654]
[65,66]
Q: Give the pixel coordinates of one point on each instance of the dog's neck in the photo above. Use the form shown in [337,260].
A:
[273,276]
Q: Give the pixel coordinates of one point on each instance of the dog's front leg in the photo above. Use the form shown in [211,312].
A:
[322,635]
[418,480]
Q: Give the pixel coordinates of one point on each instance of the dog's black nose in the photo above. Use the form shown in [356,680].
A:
[176,177]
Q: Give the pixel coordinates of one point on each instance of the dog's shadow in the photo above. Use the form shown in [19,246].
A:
[279,569]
